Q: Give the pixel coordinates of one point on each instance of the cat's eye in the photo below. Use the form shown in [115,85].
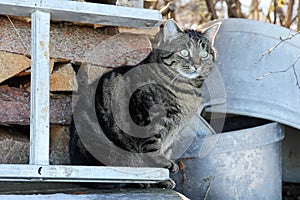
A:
[184,53]
[203,54]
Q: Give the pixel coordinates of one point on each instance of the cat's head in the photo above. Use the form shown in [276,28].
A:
[190,53]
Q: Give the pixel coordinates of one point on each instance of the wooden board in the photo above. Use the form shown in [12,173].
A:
[15,107]
[28,71]
[63,79]
[14,145]
[79,44]
[12,64]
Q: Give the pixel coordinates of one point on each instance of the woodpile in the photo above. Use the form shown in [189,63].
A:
[73,47]
[14,145]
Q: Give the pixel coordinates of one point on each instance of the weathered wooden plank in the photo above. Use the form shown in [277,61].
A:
[15,107]
[14,145]
[79,44]
[121,49]
[63,79]
[28,71]
[59,145]
[12,64]
[67,42]
[85,12]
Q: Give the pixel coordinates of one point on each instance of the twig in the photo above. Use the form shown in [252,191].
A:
[206,193]
[168,10]
[18,34]
[269,51]
[292,66]
[212,178]
[296,75]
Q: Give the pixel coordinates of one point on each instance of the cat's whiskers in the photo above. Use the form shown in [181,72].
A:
[174,81]
[162,77]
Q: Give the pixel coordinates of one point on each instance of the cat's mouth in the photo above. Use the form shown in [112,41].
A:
[190,74]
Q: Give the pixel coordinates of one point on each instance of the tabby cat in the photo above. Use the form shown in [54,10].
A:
[136,114]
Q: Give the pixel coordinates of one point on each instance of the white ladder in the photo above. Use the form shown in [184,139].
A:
[41,11]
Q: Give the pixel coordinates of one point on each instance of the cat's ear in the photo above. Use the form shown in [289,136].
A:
[212,31]
[171,30]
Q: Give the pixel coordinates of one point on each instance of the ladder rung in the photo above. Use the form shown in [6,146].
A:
[74,11]
[68,173]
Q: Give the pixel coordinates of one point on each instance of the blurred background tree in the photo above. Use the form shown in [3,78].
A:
[192,13]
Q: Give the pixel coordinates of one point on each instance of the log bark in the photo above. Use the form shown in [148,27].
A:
[14,146]
[79,44]
[15,107]
[59,145]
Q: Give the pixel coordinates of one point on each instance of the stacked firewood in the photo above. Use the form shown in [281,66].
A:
[73,48]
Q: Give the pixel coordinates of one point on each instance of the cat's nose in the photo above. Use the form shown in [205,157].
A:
[197,66]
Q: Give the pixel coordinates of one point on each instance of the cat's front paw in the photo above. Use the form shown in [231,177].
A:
[173,167]
[168,184]
[152,144]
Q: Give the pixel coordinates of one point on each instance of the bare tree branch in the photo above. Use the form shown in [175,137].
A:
[254,11]
[275,46]
[268,17]
[275,11]
[288,20]
[292,66]
[295,74]
[234,9]
[281,15]
[168,10]
[211,8]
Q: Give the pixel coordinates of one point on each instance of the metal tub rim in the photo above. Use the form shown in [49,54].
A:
[276,97]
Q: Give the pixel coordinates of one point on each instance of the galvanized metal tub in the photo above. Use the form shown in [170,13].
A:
[291,155]
[244,164]
[240,44]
